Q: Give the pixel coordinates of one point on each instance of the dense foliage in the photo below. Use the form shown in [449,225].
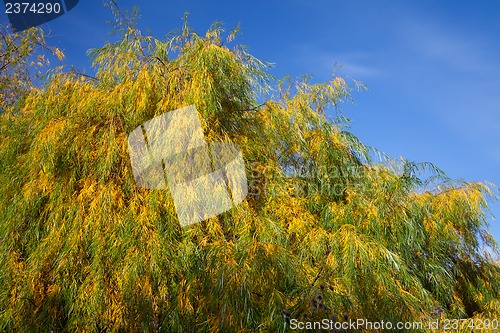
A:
[324,231]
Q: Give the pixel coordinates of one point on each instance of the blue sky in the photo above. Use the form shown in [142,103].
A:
[432,67]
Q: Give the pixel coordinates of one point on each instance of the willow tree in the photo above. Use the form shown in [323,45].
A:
[22,55]
[325,231]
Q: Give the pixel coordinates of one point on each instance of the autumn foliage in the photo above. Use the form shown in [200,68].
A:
[326,230]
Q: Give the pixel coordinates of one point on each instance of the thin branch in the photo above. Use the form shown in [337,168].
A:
[77,72]
[317,276]
[255,108]
[29,299]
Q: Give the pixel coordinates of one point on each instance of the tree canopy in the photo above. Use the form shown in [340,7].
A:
[326,230]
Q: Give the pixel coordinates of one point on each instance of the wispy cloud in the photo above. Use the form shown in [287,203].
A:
[461,85]
[358,69]
[354,64]
[449,46]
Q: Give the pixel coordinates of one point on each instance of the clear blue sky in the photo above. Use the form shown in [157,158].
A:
[432,67]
